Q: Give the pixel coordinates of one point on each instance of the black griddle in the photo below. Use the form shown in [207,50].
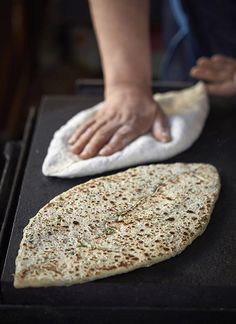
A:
[202,279]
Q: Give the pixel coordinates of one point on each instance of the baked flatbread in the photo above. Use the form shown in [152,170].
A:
[115,224]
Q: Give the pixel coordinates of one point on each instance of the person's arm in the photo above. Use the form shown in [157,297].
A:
[122,29]
[220,73]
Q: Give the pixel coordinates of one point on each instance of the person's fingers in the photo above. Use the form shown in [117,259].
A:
[98,140]
[216,63]
[210,74]
[203,64]
[201,73]
[161,130]
[124,135]
[220,73]
[80,131]
[202,61]
[222,65]
[217,58]
[84,138]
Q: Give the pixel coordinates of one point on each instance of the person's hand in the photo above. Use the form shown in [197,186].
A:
[126,114]
[219,72]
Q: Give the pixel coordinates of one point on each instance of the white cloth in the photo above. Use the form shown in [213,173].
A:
[187,111]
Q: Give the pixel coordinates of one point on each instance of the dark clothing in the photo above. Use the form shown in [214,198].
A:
[213,25]
[211,28]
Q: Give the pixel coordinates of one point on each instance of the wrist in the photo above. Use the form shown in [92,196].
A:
[128,88]
[124,71]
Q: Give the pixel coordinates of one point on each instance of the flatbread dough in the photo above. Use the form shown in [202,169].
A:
[115,224]
[187,111]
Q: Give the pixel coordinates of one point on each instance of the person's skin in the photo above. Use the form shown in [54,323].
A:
[122,29]
[219,72]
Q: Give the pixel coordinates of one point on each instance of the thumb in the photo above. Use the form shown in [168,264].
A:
[160,129]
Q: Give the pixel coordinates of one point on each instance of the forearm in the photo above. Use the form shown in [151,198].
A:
[128,111]
[122,29]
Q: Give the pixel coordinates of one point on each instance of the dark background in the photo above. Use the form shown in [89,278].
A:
[45,45]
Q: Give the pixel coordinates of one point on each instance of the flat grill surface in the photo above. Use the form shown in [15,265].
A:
[204,275]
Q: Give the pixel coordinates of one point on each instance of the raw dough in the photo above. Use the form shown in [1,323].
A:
[187,111]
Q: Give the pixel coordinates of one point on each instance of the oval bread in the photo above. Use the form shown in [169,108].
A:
[115,224]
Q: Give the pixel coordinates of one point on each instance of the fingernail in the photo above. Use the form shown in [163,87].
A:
[165,136]
[73,149]
[105,151]
[85,154]
[71,141]
[194,70]
[102,152]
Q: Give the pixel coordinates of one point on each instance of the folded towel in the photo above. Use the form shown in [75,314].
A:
[187,111]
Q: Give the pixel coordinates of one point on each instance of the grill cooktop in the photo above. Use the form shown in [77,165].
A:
[203,276]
